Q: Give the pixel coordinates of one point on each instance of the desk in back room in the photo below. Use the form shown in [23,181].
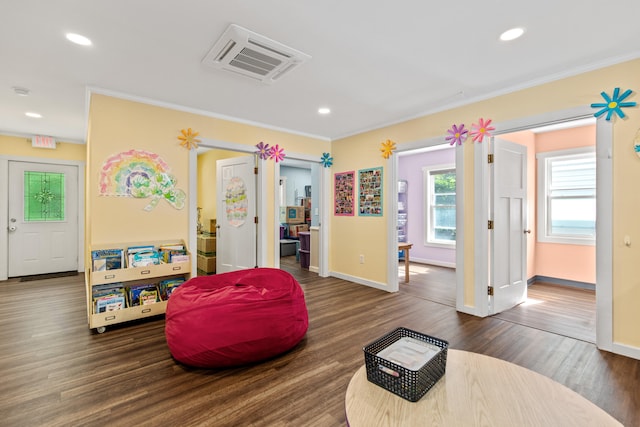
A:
[405,246]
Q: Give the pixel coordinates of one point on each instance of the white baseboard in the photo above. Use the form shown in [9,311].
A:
[313,269]
[360,281]
[626,350]
[432,262]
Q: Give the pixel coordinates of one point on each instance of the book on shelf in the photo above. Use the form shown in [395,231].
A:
[142,259]
[170,253]
[167,287]
[107,259]
[179,258]
[108,297]
[139,256]
[110,303]
[172,247]
[143,294]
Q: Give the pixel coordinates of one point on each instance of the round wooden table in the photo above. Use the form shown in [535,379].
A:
[476,390]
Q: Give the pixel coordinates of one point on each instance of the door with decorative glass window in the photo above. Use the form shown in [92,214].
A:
[43,218]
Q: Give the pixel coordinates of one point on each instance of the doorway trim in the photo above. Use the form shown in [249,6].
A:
[323,220]
[604,246]
[4,206]
[604,208]
[261,208]
[392,221]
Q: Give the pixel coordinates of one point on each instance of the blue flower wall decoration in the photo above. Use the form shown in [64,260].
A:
[613,104]
[326,160]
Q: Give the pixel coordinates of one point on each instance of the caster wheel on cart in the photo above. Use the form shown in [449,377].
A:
[101,329]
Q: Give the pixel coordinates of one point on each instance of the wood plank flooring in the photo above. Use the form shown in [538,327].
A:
[56,372]
[558,309]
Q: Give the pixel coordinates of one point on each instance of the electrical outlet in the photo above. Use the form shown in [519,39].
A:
[361,259]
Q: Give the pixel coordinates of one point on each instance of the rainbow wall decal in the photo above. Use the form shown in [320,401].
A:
[140,174]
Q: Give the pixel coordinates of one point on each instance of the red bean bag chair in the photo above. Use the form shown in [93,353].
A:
[235,318]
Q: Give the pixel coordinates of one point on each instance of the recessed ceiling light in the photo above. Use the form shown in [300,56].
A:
[78,39]
[324,110]
[33,115]
[511,34]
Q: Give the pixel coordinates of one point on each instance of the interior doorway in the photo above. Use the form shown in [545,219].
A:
[207,209]
[299,205]
[561,252]
[426,218]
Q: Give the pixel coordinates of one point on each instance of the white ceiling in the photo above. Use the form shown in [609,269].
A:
[373,62]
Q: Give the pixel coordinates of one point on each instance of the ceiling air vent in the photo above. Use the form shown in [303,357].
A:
[250,54]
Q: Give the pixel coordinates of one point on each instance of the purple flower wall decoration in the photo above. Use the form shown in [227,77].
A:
[264,152]
[457,134]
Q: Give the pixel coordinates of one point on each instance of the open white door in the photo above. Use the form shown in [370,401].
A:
[236,212]
[508,237]
[43,218]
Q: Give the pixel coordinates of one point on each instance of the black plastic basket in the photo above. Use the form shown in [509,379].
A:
[406,383]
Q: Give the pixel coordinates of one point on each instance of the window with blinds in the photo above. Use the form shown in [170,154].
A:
[567,196]
[440,205]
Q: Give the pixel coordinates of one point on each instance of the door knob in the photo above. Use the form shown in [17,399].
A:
[527,231]
[12,228]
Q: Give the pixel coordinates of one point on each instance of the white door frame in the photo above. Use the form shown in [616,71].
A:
[261,208]
[4,206]
[391,204]
[323,211]
[604,208]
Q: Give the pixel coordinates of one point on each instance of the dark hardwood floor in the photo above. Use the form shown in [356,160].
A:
[56,372]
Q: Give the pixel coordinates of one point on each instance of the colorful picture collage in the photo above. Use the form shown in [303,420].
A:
[369,192]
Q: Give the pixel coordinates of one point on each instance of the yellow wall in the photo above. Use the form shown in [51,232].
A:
[21,146]
[207,188]
[352,236]
[117,125]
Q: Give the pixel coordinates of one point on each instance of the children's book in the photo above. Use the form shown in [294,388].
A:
[168,286]
[143,294]
[107,259]
[133,250]
[110,303]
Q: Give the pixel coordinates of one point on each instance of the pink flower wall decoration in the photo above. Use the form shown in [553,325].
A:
[277,153]
[263,150]
[457,134]
[481,129]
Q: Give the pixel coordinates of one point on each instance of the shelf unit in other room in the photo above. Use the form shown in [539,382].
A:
[306,203]
[403,199]
[129,276]
[305,248]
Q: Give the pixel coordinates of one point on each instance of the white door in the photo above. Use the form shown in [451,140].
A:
[43,218]
[236,212]
[508,238]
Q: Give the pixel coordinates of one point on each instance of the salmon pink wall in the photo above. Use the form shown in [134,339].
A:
[558,261]
[561,261]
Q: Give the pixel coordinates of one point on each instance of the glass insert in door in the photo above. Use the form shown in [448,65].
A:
[43,196]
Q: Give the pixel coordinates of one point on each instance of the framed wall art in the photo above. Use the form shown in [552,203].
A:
[344,186]
[370,192]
